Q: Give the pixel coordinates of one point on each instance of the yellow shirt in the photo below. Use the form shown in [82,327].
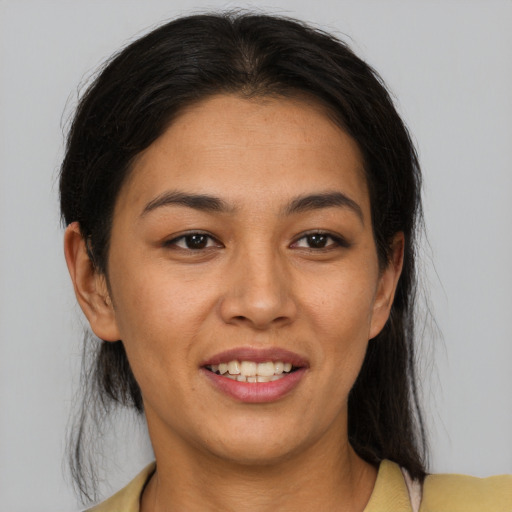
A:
[441,493]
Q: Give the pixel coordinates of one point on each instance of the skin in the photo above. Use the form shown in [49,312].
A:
[257,282]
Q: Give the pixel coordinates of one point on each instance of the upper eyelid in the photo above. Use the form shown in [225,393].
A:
[181,236]
[335,236]
[341,240]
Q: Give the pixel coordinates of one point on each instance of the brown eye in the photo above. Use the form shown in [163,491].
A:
[196,241]
[193,242]
[317,241]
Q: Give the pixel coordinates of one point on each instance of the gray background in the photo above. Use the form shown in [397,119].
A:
[450,66]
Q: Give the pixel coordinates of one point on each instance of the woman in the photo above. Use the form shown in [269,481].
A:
[242,201]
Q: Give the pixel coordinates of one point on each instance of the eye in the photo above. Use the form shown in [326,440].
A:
[193,242]
[319,240]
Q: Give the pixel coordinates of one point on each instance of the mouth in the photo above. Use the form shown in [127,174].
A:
[255,375]
[252,371]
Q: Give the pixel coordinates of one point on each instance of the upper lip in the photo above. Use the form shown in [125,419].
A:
[257,355]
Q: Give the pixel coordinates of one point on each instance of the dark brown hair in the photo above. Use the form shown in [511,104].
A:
[137,95]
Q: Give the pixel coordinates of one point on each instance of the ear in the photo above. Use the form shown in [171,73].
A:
[386,288]
[90,286]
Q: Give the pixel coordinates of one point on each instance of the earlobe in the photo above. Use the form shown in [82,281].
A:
[388,282]
[90,286]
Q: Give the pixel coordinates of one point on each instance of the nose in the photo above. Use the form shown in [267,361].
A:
[258,292]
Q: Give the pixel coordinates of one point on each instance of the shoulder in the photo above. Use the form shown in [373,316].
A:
[395,491]
[128,498]
[458,493]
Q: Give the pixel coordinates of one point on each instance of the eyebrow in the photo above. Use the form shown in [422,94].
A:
[207,203]
[323,200]
[201,202]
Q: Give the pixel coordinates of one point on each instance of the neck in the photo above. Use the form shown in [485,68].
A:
[327,476]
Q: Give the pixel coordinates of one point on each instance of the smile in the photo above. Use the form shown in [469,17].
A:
[254,375]
[251,371]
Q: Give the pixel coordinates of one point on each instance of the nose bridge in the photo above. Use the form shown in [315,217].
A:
[259,288]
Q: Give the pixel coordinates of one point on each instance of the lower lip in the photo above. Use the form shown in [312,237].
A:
[256,392]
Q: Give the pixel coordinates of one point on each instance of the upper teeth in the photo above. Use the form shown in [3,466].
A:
[251,369]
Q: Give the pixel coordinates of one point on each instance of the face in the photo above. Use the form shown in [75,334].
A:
[242,250]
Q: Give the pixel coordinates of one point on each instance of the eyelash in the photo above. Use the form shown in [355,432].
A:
[336,241]
[188,237]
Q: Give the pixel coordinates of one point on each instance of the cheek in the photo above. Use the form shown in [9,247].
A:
[157,299]
[341,302]
[340,313]
[159,318]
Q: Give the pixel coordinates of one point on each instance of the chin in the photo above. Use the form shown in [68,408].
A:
[256,445]
[254,455]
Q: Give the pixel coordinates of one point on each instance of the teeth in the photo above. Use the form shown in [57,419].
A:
[249,371]
[265,369]
[278,367]
[248,368]
[234,368]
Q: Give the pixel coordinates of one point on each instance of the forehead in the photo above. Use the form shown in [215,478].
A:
[249,148]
